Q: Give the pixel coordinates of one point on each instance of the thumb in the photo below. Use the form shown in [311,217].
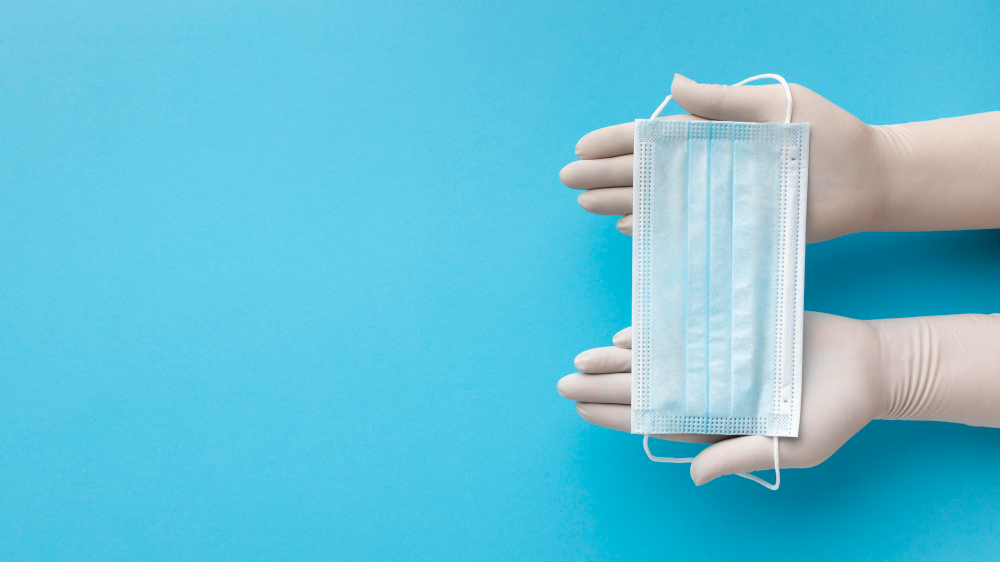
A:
[739,454]
[756,104]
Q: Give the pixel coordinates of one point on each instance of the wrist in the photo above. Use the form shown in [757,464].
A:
[938,175]
[939,368]
[892,156]
[891,368]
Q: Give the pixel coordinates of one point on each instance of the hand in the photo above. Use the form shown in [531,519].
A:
[841,393]
[845,192]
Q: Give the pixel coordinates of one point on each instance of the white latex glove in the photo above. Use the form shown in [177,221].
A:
[936,175]
[942,368]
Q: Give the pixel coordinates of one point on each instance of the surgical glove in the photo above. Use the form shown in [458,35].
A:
[944,368]
[936,175]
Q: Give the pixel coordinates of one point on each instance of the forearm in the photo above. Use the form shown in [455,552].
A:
[940,175]
[941,368]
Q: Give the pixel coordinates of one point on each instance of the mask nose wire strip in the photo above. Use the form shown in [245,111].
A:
[784,84]
[768,485]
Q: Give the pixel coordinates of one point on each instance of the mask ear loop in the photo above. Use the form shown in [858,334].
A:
[679,460]
[645,445]
[788,95]
[777,472]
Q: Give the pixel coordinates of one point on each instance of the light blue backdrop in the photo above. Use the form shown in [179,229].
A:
[296,280]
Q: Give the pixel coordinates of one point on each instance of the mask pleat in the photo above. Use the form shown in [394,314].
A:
[697,274]
[757,199]
[720,262]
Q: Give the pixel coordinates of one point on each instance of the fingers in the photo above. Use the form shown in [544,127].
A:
[615,388]
[624,225]
[623,339]
[607,201]
[591,174]
[740,454]
[611,416]
[606,170]
[619,418]
[730,103]
[616,140]
[602,360]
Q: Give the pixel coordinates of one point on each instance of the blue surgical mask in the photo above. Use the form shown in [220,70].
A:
[718,251]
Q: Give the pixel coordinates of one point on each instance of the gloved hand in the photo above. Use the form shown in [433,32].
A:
[943,368]
[936,175]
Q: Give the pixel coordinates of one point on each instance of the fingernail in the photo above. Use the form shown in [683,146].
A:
[581,360]
[581,408]
[681,78]
[562,175]
[623,226]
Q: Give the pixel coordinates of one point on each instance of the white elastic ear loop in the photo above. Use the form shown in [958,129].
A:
[768,485]
[777,472]
[645,445]
[788,95]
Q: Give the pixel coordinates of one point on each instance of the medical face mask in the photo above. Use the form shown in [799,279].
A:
[718,250]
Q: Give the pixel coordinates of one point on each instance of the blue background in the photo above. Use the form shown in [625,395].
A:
[296,281]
